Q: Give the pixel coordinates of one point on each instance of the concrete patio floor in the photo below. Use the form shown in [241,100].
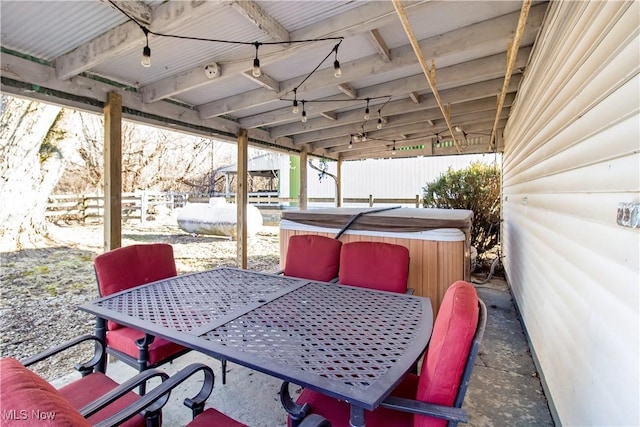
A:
[505,388]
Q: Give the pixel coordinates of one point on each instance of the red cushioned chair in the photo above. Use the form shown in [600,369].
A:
[375,265]
[313,257]
[23,391]
[124,268]
[434,398]
[96,400]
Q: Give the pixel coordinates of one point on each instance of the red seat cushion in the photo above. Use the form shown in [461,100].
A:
[87,389]
[130,266]
[313,257]
[448,350]
[124,340]
[212,417]
[375,265]
[28,399]
[337,412]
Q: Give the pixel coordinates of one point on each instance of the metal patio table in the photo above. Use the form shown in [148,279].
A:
[351,343]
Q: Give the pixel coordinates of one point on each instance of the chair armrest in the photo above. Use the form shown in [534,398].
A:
[155,399]
[84,368]
[449,413]
[295,411]
[123,389]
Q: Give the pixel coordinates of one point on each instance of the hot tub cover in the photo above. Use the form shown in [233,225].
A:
[392,220]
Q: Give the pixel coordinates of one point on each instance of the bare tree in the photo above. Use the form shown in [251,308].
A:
[32,140]
[152,159]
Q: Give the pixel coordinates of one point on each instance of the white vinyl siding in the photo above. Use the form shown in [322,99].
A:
[571,156]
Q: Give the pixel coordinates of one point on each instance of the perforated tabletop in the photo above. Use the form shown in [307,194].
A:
[352,343]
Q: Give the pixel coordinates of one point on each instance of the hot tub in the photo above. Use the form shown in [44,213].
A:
[439,240]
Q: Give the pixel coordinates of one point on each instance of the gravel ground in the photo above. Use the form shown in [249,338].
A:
[40,288]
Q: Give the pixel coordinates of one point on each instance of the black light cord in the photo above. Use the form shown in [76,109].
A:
[177,36]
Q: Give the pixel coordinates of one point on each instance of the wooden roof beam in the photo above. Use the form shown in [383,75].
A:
[261,19]
[429,73]
[379,44]
[512,52]
[138,10]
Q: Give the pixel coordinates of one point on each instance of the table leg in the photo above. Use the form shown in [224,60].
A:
[357,416]
[101,333]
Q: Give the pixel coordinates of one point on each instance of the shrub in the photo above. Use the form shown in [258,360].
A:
[476,188]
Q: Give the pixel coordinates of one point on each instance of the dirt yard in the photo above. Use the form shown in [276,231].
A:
[42,287]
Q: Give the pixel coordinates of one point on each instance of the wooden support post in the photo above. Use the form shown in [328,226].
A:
[339,184]
[242,198]
[303,179]
[113,172]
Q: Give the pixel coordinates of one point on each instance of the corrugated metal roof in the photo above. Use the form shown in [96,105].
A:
[296,15]
[66,33]
[43,32]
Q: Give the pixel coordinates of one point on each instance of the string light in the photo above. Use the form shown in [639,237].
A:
[146,51]
[379,126]
[350,141]
[304,113]
[337,72]
[295,108]
[437,140]
[366,112]
[256,72]
[393,150]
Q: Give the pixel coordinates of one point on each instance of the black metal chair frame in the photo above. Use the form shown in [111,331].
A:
[149,405]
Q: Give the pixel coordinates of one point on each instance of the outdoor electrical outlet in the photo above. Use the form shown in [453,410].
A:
[629,214]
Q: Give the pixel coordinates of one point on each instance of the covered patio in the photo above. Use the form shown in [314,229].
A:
[554,86]
[505,387]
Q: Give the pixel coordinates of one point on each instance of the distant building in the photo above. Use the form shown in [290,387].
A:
[382,178]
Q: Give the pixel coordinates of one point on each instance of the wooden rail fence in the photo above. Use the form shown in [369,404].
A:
[83,207]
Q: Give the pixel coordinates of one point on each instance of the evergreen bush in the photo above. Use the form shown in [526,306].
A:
[476,188]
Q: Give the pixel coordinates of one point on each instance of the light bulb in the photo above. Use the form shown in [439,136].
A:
[379,124]
[304,116]
[256,68]
[366,114]
[295,108]
[458,129]
[364,138]
[337,72]
[393,151]
[350,145]
[146,57]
